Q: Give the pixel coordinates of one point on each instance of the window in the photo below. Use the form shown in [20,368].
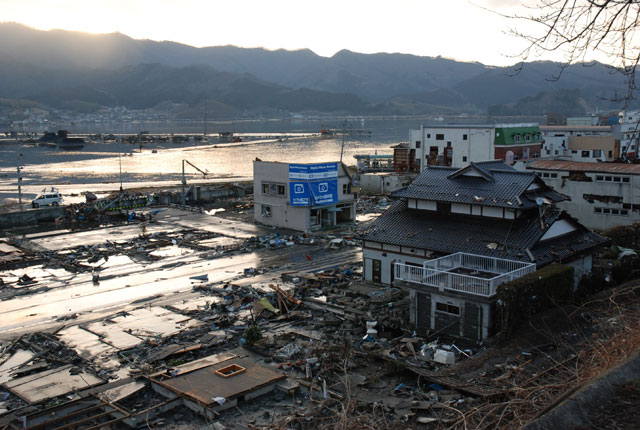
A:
[418,144]
[271,189]
[439,136]
[556,152]
[345,188]
[599,178]
[444,207]
[464,159]
[585,154]
[450,309]
[554,175]
[516,138]
[617,179]
[625,179]
[610,154]
[464,137]
[428,135]
[548,151]
[574,152]
[266,211]
[527,138]
[597,210]
[597,153]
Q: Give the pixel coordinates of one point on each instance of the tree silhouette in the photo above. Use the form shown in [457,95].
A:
[582,28]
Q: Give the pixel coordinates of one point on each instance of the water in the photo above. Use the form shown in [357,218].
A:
[100,161]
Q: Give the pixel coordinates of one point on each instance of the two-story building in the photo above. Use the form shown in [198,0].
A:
[458,145]
[601,195]
[580,142]
[302,197]
[454,235]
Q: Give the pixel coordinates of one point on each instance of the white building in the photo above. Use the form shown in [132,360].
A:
[580,142]
[302,197]
[460,144]
[603,195]
[630,132]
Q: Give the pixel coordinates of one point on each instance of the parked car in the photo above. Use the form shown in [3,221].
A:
[46,198]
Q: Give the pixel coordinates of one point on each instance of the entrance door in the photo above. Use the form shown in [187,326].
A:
[377,271]
[392,272]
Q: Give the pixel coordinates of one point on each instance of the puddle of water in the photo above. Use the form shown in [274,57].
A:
[171,251]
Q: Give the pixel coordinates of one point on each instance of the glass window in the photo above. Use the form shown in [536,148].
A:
[450,309]
[439,136]
[625,179]
[266,211]
[599,178]
[464,137]
[464,159]
[418,144]
[585,154]
[597,210]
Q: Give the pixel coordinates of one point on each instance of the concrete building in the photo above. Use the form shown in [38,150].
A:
[454,235]
[302,197]
[580,142]
[458,145]
[630,134]
[602,195]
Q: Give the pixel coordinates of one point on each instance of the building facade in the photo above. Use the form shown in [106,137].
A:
[630,134]
[602,195]
[459,145]
[502,220]
[580,142]
[302,197]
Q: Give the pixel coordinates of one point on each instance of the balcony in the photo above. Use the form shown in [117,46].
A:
[466,273]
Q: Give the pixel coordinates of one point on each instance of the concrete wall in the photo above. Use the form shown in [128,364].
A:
[30,216]
[381,183]
[625,197]
[478,145]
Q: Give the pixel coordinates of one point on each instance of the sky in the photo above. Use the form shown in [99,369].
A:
[465,30]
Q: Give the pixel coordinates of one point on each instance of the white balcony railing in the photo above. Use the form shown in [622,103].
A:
[468,273]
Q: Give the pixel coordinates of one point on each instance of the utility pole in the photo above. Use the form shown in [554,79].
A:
[120,162]
[20,180]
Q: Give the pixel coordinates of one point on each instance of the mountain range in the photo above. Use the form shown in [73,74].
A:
[84,72]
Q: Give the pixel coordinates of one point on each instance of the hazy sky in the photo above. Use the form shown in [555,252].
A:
[459,29]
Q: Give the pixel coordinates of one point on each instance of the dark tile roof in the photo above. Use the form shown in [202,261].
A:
[447,234]
[498,185]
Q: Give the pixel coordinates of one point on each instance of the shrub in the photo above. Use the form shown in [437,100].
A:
[521,298]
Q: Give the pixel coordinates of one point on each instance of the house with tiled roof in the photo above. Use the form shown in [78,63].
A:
[453,235]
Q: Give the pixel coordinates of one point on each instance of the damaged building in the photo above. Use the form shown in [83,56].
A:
[601,195]
[454,234]
[302,197]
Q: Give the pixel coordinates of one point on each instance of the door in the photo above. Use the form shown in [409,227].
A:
[377,271]
[392,272]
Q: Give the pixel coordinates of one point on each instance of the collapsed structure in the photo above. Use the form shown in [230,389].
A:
[496,217]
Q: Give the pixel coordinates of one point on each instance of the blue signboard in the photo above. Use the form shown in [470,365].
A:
[313,184]
[324,192]
[299,193]
[311,172]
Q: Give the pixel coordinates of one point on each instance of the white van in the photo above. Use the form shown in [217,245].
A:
[46,198]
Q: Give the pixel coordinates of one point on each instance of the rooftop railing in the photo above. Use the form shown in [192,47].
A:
[468,273]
